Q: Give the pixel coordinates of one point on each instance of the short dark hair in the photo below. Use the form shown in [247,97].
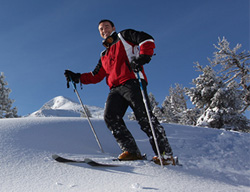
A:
[106,20]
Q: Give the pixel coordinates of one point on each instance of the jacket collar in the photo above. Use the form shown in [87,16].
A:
[110,40]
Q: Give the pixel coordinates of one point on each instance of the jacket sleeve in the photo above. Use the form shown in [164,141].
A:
[95,76]
[140,38]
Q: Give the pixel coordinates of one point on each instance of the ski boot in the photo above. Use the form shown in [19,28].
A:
[127,156]
[166,160]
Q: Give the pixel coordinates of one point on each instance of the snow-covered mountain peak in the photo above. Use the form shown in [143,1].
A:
[60,102]
[61,106]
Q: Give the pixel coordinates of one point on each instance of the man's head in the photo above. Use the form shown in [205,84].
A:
[106,27]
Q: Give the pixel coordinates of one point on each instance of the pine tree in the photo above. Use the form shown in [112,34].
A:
[152,100]
[175,104]
[153,105]
[190,116]
[234,69]
[156,110]
[5,101]
[206,86]
[168,115]
[219,101]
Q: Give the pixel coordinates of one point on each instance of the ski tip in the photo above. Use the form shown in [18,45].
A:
[60,159]
[54,156]
[87,160]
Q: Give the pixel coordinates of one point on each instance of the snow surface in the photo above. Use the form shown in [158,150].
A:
[213,160]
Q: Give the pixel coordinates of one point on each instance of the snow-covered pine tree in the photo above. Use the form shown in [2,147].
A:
[5,102]
[153,106]
[206,86]
[190,116]
[220,102]
[175,104]
[168,115]
[152,100]
[156,110]
[234,68]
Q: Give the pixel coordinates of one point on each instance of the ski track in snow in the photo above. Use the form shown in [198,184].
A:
[213,160]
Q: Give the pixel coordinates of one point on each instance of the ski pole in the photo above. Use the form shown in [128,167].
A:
[85,111]
[149,117]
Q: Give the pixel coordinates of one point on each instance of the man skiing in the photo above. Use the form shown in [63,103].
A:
[125,54]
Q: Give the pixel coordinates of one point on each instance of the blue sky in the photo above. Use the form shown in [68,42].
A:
[39,39]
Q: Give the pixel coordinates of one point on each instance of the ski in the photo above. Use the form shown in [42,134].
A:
[97,164]
[86,160]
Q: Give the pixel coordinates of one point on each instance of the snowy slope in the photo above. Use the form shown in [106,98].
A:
[213,160]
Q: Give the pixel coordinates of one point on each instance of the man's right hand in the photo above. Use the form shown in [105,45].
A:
[136,63]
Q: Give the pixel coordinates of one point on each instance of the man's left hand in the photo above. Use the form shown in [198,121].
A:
[136,63]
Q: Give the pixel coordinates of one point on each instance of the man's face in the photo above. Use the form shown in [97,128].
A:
[105,29]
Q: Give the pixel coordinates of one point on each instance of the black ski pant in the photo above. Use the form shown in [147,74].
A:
[119,99]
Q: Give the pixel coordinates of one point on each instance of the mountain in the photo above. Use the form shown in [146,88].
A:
[213,160]
[65,107]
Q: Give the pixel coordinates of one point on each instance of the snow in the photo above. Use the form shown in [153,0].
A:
[213,160]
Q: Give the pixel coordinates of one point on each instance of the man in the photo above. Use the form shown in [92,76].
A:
[119,63]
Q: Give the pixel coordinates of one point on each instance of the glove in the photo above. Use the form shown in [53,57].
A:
[136,63]
[75,77]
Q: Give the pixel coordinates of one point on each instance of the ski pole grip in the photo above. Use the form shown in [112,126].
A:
[67,84]
[73,83]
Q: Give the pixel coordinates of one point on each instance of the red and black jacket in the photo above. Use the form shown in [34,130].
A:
[114,63]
